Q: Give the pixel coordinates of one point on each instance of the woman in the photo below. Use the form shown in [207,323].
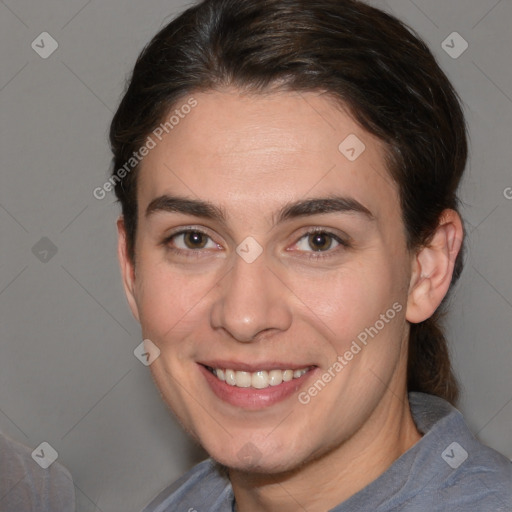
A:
[288,177]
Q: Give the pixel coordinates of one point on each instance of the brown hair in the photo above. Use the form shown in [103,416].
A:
[366,59]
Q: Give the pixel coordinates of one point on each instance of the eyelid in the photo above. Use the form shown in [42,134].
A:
[343,241]
[183,230]
[186,229]
[328,231]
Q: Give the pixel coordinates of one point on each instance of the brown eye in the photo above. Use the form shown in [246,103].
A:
[195,239]
[191,243]
[320,241]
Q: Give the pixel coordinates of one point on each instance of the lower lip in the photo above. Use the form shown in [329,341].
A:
[252,398]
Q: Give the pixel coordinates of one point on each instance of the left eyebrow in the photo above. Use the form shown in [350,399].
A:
[318,206]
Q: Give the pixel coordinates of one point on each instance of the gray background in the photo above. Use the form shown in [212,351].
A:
[68,375]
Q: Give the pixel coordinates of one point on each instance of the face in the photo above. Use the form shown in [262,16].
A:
[272,273]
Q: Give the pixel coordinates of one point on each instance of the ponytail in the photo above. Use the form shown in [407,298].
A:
[428,367]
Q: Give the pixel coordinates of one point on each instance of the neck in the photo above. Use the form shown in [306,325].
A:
[328,480]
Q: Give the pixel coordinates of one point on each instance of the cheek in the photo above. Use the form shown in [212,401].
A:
[170,302]
[347,301]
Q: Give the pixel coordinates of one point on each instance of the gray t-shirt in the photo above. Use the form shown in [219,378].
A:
[27,487]
[446,470]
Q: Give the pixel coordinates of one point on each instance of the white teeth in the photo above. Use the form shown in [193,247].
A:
[275,377]
[230,377]
[287,375]
[259,380]
[242,379]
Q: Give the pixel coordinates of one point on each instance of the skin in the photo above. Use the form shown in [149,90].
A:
[250,155]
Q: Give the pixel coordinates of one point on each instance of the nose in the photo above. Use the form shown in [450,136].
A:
[252,300]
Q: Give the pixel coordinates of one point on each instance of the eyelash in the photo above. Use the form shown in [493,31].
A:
[319,255]
[314,255]
[190,253]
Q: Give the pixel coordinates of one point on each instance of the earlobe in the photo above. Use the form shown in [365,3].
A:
[127,268]
[432,268]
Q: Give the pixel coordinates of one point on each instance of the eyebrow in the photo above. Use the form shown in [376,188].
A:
[300,208]
[318,206]
[175,204]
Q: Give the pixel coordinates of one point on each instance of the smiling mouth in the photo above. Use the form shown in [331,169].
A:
[258,380]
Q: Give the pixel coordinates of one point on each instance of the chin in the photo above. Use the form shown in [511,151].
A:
[256,457]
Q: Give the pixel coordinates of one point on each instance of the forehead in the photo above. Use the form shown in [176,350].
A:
[255,152]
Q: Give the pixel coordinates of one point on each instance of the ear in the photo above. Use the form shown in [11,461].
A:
[127,268]
[432,268]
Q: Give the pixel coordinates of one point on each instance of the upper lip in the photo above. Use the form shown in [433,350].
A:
[255,367]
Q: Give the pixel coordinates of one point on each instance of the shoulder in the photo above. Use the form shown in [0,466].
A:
[24,485]
[205,487]
[464,471]
[482,481]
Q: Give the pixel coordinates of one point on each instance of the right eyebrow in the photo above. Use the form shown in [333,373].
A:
[175,204]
